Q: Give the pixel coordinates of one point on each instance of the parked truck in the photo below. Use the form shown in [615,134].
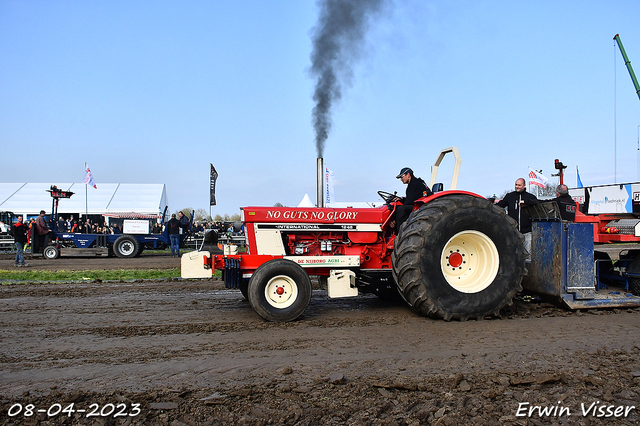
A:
[457,256]
[134,239]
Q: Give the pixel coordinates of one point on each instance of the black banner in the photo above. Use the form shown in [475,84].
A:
[212,189]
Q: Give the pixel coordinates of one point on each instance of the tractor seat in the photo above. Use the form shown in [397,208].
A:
[210,242]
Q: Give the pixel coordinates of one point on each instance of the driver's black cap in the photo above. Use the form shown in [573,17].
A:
[404,171]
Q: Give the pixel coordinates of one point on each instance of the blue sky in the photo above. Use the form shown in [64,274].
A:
[154,91]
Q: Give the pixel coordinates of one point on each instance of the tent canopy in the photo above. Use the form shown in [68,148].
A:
[30,198]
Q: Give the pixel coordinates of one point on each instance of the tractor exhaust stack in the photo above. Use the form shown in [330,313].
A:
[320,192]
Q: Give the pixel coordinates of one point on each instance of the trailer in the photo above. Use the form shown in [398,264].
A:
[134,239]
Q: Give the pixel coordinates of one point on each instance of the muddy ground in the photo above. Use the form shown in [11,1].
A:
[193,353]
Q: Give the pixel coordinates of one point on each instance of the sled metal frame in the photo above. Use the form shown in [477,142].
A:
[563,267]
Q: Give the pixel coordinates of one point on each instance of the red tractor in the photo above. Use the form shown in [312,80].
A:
[457,256]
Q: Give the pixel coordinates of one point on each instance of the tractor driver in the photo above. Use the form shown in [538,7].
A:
[416,188]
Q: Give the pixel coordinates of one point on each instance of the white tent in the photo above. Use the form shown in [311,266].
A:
[30,198]
[306,202]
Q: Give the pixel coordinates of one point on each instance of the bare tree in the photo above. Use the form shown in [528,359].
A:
[202,215]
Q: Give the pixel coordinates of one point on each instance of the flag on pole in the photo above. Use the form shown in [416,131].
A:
[88,178]
[579,181]
[328,187]
[536,178]
[212,186]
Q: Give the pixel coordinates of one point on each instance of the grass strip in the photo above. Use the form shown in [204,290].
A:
[91,275]
[104,275]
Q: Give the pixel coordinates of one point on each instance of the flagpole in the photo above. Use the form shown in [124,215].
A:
[86,201]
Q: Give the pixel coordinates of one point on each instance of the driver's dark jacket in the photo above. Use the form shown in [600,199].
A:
[415,189]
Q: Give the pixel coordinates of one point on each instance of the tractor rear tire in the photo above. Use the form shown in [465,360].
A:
[459,257]
[126,246]
[279,290]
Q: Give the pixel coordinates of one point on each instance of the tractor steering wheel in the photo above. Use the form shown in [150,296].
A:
[387,196]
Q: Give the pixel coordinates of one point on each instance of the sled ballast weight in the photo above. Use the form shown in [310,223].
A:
[457,256]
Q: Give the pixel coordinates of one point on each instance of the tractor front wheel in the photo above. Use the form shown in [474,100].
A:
[459,257]
[279,290]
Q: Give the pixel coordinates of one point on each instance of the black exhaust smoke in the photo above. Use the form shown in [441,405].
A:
[337,42]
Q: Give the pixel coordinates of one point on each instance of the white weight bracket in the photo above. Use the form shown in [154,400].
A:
[342,283]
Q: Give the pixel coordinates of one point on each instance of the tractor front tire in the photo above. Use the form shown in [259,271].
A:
[279,290]
[459,257]
[126,246]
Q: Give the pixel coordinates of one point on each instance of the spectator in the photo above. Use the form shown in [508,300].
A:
[184,223]
[514,202]
[173,228]
[62,225]
[157,228]
[41,234]
[19,231]
[116,229]
[566,204]
[32,224]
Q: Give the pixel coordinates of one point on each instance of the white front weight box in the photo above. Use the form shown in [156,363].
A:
[192,265]
[342,284]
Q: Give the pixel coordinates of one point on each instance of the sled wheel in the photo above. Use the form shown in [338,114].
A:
[634,268]
[459,257]
[279,290]
[51,252]
[126,246]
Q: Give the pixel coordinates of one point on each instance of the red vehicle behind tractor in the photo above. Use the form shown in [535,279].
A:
[457,256]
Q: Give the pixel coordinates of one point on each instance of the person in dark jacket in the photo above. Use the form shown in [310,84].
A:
[19,231]
[514,202]
[416,188]
[184,222]
[566,203]
[41,235]
[173,228]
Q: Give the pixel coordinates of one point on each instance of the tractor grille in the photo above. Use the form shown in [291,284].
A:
[232,274]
